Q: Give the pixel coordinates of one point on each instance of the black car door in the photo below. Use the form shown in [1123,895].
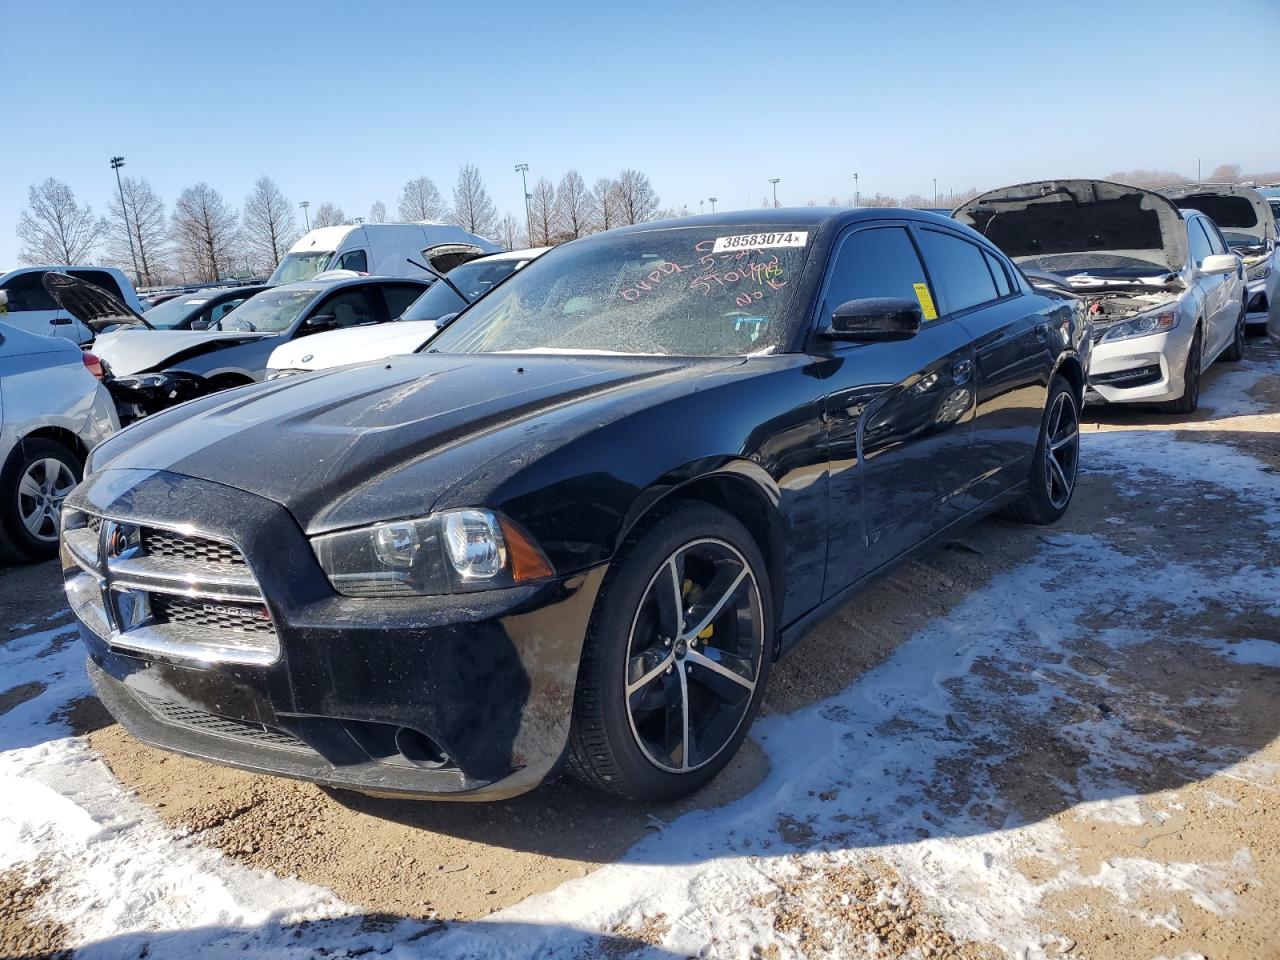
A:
[898,413]
[1012,356]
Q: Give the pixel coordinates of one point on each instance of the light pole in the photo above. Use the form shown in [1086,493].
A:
[700,210]
[523,170]
[774,181]
[116,164]
[935,191]
[304,204]
[857,197]
[713,203]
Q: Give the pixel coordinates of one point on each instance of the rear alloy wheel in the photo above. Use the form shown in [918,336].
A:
[35,481]
[1235,349]
[676,662]
[1056,462]
[1190,399]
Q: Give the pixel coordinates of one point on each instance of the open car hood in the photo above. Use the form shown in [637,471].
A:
[1049,217]
[1235,209]
[90,304]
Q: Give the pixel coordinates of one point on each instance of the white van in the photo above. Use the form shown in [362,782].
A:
[384,249]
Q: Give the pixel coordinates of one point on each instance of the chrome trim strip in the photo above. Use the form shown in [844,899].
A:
[151,640]
[143,573]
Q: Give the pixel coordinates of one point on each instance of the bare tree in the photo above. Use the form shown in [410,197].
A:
[542,213]
[138,230]
[378,212]
[473,211]
[636,200]
[1225,173]
[329,215]
[575,213]
[605,199]
[54,229]
[1147,178]
[204,231]
[510,233]
[420,200]
[269,225]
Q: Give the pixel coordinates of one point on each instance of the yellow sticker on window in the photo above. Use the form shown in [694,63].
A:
[926,301]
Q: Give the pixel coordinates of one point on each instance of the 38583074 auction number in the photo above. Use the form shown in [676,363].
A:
[757,241]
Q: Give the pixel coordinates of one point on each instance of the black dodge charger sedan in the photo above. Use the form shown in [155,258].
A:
[583,523]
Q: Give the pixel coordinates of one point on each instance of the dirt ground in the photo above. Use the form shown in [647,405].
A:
[464,861]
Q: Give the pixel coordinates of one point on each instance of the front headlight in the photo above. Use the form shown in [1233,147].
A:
[1259,271]
[1144,324]
[455,551]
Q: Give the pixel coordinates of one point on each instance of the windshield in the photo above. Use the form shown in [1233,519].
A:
[300,266]
[681,291]
[175,312]
[474,279]
[271,311]
[1103,265]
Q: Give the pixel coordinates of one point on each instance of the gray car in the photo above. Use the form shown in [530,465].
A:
[153,369]
[52,412]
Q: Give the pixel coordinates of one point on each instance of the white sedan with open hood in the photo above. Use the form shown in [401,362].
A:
[445,298]
[1165,295]
[1248,224]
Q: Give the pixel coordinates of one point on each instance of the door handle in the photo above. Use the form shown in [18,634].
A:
[961,371]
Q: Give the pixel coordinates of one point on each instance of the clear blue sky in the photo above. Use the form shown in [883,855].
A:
[346,101]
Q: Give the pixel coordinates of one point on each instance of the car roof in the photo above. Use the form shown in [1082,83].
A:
[526,254]
[345,282]
[788,217]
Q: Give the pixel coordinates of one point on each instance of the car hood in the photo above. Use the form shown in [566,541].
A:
[89,303]
[383,440]
[1048,217]
[354,345]
[135,351]
[1235,209]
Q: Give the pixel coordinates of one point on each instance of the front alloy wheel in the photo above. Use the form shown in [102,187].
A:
[1061,449]
[677,656]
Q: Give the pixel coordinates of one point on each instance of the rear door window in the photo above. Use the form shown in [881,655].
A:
[399,296]
[959,269]
[879,262]
[998,274]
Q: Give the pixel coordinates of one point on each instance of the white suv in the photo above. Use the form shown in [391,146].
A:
[30,307]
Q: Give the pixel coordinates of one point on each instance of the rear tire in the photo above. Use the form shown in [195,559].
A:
[36,479]
[1235,349]
[1190,399]
[1057,460]
[662,706]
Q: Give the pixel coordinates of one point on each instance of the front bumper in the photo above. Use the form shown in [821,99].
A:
[1139,370]
[486,681]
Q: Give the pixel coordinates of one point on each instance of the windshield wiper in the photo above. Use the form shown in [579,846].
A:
[440,276]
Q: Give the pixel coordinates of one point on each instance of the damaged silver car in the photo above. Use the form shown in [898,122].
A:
[1165,294]
[1248,224]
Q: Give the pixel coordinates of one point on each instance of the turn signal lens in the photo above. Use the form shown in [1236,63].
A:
[527,561]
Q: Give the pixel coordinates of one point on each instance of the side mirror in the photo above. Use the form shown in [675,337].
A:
[874,320]
[1219,263]
[444,320]
[321,321]
[201,323]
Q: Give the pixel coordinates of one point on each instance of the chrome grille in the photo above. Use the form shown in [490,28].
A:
[170,545]
[152,589]
[240,617]
[218,726]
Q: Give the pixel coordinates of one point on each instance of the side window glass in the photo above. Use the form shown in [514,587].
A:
[1215,236]
[222,309]
[354,260]
[351,308]
[880,262]
[959,268]
[26,292]
[399,296]
[1200,247]
[997,272]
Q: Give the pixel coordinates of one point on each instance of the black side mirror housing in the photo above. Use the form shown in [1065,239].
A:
[321,321]
[874,320]
[201,323]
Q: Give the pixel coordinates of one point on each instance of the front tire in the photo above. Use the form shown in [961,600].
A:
[676,658]
[1235,350]
[1057,460]
[1190,399]
[36,479]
